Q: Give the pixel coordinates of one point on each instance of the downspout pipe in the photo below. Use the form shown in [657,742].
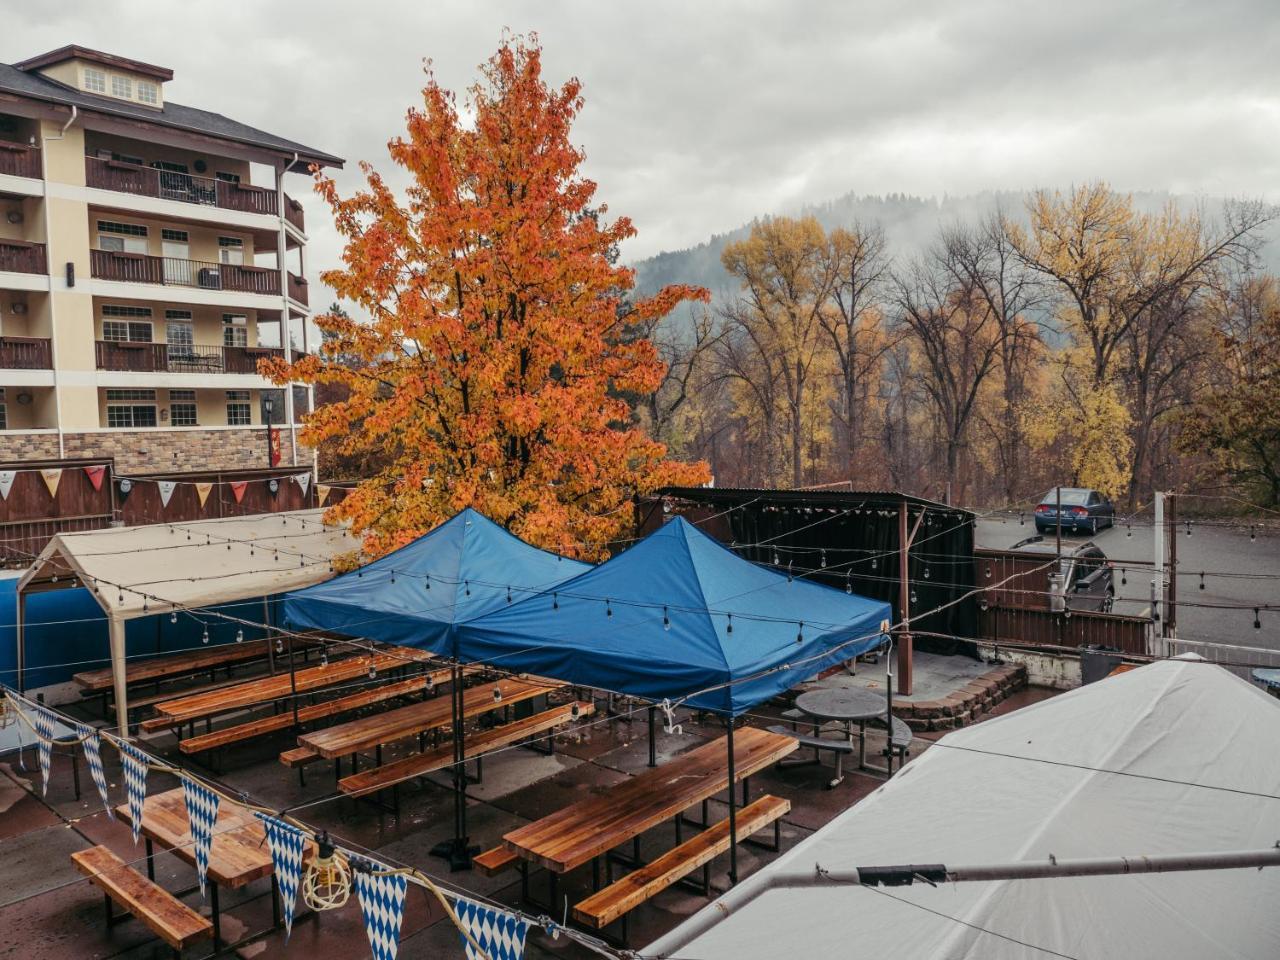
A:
[48,239]
[282,248]
[935,873]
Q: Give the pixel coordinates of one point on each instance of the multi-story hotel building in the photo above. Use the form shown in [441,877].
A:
[149,257]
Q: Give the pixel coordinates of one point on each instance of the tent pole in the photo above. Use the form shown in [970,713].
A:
[271,653]
[293,678]
[115,628]
[460,859]
[22,642]
[904,602]
[653,744]
[733,813]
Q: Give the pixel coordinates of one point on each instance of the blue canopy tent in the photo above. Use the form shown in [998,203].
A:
[416,596]
[680,617]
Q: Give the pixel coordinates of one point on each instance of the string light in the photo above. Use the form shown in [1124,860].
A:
[497,694]
[393,576]
[467,587]
[173,617]
[324,658]
[426,581]
[788,571]
[848,582]
[666,620]
[729,628]
[240,635]
[824,558]
[608,607]
[508,594]
[1201,579]
[800,632]
[373,670]
[204,637]
[1257,624]
[327,883]
[555,601]
[279,645]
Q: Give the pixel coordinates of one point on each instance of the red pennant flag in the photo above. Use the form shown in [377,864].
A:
[95,475]
[237,488]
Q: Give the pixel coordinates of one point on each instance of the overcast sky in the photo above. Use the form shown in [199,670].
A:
[700,115]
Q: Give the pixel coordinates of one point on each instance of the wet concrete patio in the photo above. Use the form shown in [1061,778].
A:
[48,909]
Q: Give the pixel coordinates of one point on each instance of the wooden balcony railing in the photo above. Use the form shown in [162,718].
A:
[18,256]
[21,160]
[293,213]
[298,288]
[170,271]
[25,353]
[124,177]
[139,357]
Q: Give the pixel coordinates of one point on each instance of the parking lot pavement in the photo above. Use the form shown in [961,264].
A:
[1210,549]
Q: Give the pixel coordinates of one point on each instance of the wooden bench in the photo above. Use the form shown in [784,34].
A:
[173,665]
[167,917]
[416,765]
[493,862]
[141,703]
[315,711]
[622,896]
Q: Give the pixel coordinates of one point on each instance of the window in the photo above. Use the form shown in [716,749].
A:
[231,250]
[123,237]
[126,331]
[182,408]
[115,310]
[95,81]
[121,412]
[275,398]
[148,92]
[235,330]
[227,177]
[238,408]
[4,411]
[179,334]
[175,236]
[121,86]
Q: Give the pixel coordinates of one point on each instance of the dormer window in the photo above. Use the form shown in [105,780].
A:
[95,81]
[121,86]
[148,92]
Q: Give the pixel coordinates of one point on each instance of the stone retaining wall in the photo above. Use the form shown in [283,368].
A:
[965,705]
[142,451]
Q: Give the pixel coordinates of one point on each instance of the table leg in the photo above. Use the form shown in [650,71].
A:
[862,744]
[151,861]
[275,903]
[217,915]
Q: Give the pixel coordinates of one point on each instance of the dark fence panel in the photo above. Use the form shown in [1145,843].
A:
[1014,625]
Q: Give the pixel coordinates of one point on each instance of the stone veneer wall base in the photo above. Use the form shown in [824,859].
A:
[143,451]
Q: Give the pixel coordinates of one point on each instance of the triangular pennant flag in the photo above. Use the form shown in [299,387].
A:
[202,491]
[237,488]
[6,482]
[166,490]
[304,481]
[52,477]
[126,488]
[322,493]
[500,934]
[382,903]
[287,843]
[202,814]
[135,783]
[45,722]
[92,741]
[95,475]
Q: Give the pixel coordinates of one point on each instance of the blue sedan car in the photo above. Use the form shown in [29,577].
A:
[1083,510]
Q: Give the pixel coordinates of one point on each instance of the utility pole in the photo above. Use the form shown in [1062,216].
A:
[904,601]
[1157,577]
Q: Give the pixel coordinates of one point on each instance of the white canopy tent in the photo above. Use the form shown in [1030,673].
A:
[142,571]
[1027,786]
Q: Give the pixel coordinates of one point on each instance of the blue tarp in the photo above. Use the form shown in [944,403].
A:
[654,622]
[464,568]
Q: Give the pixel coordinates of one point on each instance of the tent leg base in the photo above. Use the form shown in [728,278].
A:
[458,851]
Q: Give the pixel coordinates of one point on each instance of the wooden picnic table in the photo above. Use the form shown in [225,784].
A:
[238,854]
[265,690]
[367,732]
[583,831]
[175,665]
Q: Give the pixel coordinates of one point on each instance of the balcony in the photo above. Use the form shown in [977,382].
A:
[123,177]
[298,289]
[25,353]
[20,160]
[18,256]
[135,357]
[173,272]
[293,213]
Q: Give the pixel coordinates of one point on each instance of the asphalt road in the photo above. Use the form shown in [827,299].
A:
[1214,550]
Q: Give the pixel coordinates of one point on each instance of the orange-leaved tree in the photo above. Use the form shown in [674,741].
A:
[498,346]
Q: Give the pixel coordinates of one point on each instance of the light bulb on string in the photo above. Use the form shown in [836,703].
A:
[1201,579]
[204,637]
[666,620]
[173,616]
[240,635]
[508,594]
[729,627]
[279,645]
[823,560]
[777,561]
[926,571]
[1124,577]
[555,601]
[873,562]
[913,595]
[788,571]
[1129,530]
[393,576]
[800,632]
[466,584]
[1257,623]
[1188,528]
[426,581]
[324,658]
[373,670]
[848,582]
[608,608]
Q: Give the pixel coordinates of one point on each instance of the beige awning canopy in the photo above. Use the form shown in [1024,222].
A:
[142,571]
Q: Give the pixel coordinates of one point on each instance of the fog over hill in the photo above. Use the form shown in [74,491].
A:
[910,225]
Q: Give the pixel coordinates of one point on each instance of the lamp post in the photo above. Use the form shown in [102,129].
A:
[267,404]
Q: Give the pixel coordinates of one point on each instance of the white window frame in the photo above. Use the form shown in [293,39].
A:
[183,399]
[149,93]
[121,86]
[131,327]
[95,80]
[116,411]
[235,330]
[231,251]
[123,240]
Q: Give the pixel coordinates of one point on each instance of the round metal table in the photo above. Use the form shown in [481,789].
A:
[847,705]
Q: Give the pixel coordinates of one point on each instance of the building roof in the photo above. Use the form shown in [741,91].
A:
[810,498]
[142,571]
[1177,757]
[75,52]
[17,80]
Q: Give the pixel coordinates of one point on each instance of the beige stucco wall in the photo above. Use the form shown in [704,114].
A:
[202,241]
[64,158]
[150,152]
[71,72]
[33,323]
[206,322]
[30,221]
[211,407]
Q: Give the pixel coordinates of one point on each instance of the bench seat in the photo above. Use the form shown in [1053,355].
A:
[493,862]
[299,757]
[625,894]
[814,743]
[164,914]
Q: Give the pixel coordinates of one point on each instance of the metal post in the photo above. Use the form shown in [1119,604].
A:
[653,746]
[733,812]
[1171,614]
[22,642]
[115,628]
[293,680]
[1057,492]
[271,649]
[1157,579]
[904,604]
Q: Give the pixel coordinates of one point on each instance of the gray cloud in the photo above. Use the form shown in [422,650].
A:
[700,115]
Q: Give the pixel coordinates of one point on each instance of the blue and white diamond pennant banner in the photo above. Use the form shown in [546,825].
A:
[135,782]
[382,903]
[500,934]
[92,742]
[45,722]
[287,845]
[202,814]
